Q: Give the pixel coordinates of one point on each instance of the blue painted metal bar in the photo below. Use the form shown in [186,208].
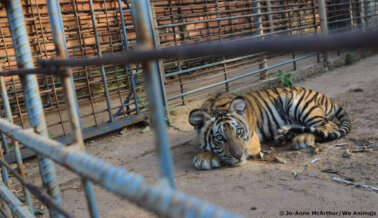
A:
[126,103]
[126,47]
[3,204]
[88,133]
[71,100]
[109,127]
[91,198]
[16,147]
[161,199]
[3,141]
[127,4]
[143,25]
[4,172]
[102,69]
[14,204]
[31,94]
[209,65]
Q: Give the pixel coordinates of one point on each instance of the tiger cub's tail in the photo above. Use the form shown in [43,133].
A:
[338,132]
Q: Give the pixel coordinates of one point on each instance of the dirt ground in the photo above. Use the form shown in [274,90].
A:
[260,188]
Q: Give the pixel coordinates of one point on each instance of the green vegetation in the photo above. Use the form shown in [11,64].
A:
[350,58]
[170,122]
[142,101]
[285,78]
[51,135]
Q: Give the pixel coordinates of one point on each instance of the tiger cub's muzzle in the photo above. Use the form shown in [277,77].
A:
[236,159]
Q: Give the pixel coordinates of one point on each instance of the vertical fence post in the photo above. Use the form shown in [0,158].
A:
[260,31]
[315,26]
[31,94]
[270,15]
[56,24]
[362,14]
[324,27]
[351,14]
[145,36]
[220,39]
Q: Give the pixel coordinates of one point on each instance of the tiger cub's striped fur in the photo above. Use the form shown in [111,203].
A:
[231,127]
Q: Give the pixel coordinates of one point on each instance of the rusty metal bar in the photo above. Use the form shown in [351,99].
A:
[323,26]
[59,40]
[23,72]
[260,32]
[71,100]
[241,47]
[152,77]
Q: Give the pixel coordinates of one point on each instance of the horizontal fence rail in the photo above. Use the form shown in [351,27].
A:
[243,46]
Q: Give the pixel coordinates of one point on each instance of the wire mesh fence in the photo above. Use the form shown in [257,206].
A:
[188,22]
[89,31]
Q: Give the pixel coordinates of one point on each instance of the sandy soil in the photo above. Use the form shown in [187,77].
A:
[260,188]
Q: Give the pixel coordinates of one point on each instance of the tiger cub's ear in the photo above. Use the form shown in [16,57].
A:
[197,118]
[238,106]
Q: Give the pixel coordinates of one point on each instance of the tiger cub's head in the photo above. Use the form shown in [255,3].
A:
[226,133]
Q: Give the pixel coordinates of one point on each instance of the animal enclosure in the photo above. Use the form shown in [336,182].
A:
[108,93]
[81,101]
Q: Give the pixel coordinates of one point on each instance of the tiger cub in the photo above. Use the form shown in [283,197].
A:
[231,127]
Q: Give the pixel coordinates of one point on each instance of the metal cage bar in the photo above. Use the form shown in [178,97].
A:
[31,93]
[16,146]
[151,73]
[73,111]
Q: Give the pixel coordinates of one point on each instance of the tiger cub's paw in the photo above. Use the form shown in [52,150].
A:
[206,161]
[303,141]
